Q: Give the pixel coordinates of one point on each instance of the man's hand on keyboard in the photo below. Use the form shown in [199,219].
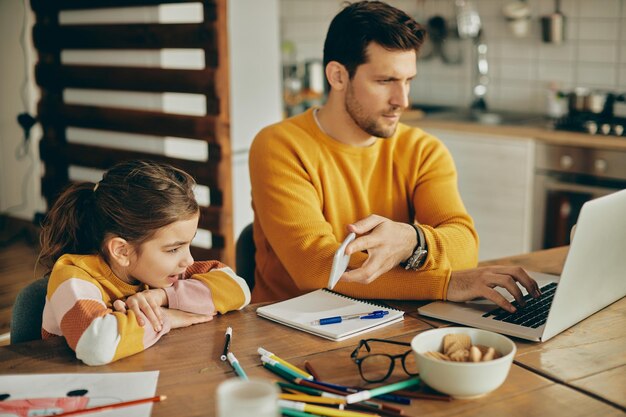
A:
[480,282]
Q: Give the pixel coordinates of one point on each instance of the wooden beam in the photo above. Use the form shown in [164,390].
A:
[103,158]
[128,36]
[126,78]
[127,120]
[47,6]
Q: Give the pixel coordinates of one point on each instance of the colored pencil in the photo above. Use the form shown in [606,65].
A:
[398,399]
[312,399]
[235,364]
[367,394]
[309,369]
[295,413]
[227,336]
[275,363]
[264,352]
[279,372]
[318,409]
[111,406]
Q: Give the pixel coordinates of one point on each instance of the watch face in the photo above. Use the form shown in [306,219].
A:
[417,258]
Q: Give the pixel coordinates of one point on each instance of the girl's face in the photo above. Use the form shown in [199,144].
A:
[162,259]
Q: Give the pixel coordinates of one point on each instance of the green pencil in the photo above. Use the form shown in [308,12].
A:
[366,395]
[296,413]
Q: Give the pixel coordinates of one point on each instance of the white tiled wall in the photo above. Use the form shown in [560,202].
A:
[593,55]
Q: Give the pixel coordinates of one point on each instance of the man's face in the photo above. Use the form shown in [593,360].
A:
[379,91]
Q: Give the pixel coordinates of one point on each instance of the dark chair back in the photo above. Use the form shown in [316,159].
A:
[245,251]
[27,312]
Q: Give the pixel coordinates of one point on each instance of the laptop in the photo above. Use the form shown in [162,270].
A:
[594,276]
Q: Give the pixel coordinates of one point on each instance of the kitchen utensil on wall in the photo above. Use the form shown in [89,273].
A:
[517,14]
[467,19]
[553,26]
[442,42]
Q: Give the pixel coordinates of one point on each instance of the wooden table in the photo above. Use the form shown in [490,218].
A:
[581,372]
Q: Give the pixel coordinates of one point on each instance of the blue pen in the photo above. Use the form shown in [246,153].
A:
[363,316]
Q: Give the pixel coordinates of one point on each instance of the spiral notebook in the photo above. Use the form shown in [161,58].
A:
[300,313]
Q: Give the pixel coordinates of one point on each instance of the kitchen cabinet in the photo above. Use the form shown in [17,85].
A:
[495,177]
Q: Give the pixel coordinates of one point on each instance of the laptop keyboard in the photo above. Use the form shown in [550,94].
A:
[533,314]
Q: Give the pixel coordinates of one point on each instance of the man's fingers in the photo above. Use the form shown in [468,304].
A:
[510,284]
[518,274]
[497,298]
[365,225]
[367,273]
[359,244]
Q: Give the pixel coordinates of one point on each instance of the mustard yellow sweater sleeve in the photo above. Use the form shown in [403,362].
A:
[306,187]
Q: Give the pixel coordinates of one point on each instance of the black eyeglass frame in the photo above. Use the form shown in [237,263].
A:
[402,356]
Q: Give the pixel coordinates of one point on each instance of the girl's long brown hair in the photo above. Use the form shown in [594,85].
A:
[133,200]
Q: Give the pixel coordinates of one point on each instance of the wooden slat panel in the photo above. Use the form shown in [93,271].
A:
[201,254]
[210,217]
[104,158]
[127,78]
[47,6]
[130,36]
[127,120]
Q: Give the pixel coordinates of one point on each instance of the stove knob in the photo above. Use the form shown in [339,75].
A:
[591,127]
[600,165]
[618,129]
[605,128]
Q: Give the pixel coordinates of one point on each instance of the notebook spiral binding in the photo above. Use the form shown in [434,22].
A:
[361,300]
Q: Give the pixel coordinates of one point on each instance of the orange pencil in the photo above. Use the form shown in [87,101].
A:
[111,406]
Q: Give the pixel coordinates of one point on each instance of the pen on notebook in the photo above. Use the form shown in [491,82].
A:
[362,316]
[235,364]
[367,394]
[264,352]
[227,337]
[110,406]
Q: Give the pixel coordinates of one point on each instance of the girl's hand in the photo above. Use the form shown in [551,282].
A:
[149,303]
[180,318]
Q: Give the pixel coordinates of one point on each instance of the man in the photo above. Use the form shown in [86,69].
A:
[350,166]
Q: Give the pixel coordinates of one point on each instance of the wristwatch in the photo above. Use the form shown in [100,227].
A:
[420,252]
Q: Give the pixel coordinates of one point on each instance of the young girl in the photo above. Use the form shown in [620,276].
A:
[122,274]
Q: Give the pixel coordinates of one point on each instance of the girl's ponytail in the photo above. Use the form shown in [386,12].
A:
[71,226]
[133,200]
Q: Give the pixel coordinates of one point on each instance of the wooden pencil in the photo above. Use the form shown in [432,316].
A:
[111,406]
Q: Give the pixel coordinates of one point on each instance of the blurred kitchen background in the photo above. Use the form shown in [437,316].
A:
[524,70]
[495,78]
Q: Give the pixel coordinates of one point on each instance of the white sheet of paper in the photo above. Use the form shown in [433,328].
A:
[102,389]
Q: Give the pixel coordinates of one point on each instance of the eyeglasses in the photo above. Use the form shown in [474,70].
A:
[377,367]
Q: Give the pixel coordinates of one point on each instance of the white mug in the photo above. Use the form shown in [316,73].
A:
[244,398]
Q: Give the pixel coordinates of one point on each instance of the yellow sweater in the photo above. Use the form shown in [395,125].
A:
[82,289]
[307,187]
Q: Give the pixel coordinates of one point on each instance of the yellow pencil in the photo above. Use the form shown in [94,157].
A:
[318,409]
[269,354]
[312,399]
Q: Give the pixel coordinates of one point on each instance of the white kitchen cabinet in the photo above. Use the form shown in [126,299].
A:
[495,176]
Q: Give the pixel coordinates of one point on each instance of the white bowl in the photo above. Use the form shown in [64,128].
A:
[463,379]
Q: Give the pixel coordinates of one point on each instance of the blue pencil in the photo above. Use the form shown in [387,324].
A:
[235,364]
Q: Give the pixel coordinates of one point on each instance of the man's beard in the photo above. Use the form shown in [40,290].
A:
[366,122]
